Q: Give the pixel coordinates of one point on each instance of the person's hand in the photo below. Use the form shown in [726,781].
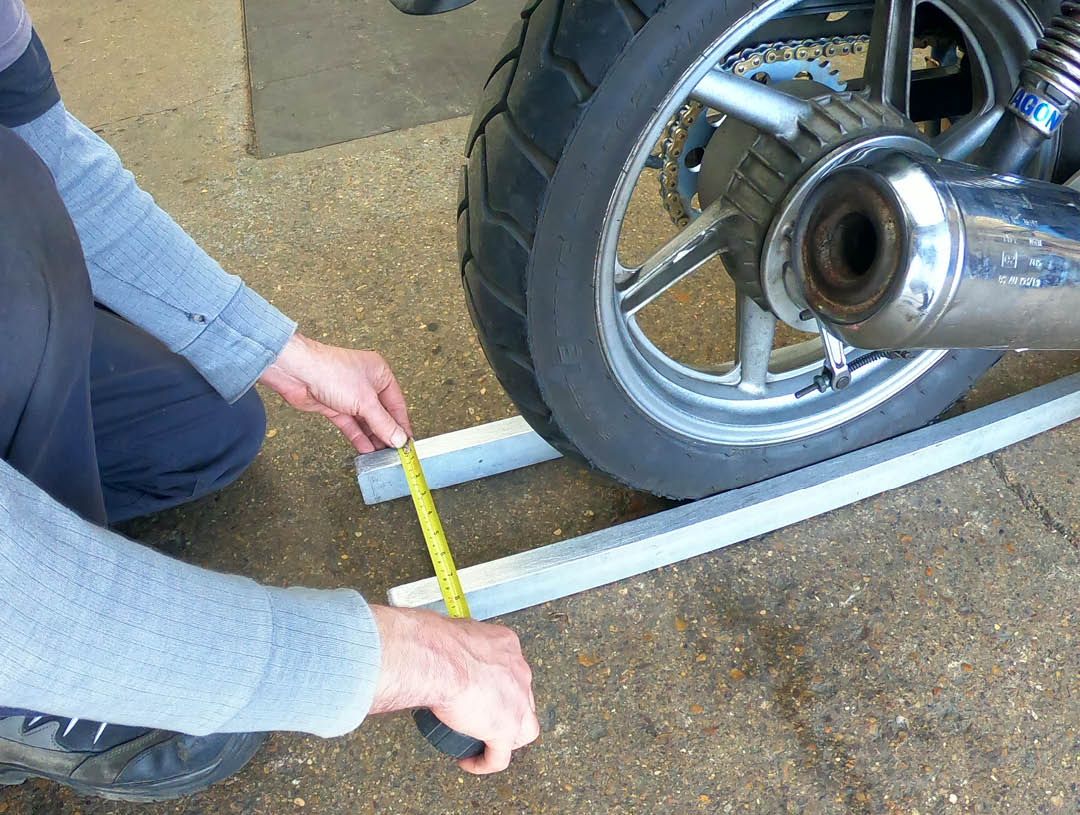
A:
[472,675]
[356,390]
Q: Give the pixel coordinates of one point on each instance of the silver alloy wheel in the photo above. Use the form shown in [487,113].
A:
[752,402]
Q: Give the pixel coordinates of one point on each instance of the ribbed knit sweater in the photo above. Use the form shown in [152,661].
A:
[98,627]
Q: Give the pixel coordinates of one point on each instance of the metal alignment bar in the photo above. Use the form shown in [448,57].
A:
[574,565]
[454,458]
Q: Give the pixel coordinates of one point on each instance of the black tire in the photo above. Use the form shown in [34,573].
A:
[556,121]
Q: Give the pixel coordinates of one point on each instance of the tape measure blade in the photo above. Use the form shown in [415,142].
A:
[434,535]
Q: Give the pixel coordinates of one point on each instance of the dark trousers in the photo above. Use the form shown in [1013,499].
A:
[93,410]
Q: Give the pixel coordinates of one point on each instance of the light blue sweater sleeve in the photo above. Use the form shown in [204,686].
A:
[146,268]
[95,626]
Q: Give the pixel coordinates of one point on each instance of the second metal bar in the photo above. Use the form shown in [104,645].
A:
[567,567]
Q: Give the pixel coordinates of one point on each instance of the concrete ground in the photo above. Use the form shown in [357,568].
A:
[916,653]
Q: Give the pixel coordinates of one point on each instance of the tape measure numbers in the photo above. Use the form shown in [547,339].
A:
[438,547]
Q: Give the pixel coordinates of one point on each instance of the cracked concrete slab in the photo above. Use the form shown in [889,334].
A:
[1045,480]
[915,652]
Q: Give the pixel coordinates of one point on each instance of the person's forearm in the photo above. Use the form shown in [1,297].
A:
[147,268]
[96,626]
[420,666]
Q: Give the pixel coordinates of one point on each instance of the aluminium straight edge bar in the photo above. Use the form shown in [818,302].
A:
[568,567]
[454,458]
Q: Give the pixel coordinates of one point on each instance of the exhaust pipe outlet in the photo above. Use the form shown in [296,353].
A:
[906,251]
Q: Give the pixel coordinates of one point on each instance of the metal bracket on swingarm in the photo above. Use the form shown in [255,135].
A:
[588,561]
[836,374]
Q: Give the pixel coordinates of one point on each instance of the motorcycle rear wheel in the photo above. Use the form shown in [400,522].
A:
[565,123]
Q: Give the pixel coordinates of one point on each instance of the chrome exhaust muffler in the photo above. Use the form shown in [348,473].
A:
[904,251]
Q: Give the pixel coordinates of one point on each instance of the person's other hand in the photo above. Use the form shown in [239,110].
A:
[472,675]
[356,390]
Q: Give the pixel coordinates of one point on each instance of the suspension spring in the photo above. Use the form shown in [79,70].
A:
[1049,88]
[1056,59]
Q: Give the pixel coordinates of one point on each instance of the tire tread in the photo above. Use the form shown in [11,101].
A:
[494,283]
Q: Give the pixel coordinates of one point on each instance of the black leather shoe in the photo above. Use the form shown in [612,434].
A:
[113,761]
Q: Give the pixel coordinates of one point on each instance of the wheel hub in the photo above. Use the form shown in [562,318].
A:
[693,127]
[774,174]
[783,292]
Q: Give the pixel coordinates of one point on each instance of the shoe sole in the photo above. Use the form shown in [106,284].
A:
[153,791]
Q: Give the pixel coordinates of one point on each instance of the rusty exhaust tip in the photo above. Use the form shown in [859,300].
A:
[849,246]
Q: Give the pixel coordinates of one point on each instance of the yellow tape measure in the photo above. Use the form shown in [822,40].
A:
[438,547]
[443,738]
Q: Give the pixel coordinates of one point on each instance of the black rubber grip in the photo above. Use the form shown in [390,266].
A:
[446,739]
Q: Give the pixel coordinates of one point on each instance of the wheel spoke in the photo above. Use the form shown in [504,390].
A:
[888,57]
[748,101]
[674,260]
[962,139]
[754,344]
